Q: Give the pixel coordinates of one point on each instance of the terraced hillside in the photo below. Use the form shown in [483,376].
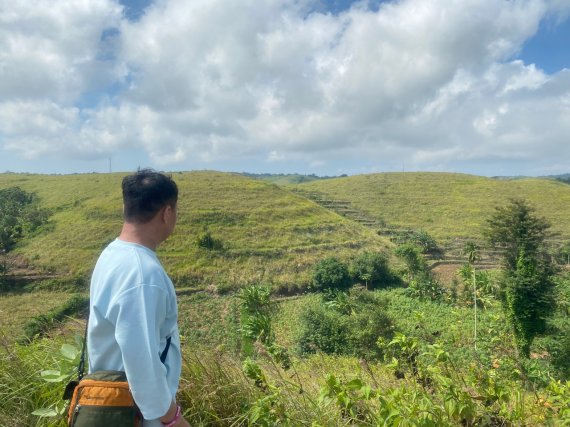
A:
[268,234]
[446,205]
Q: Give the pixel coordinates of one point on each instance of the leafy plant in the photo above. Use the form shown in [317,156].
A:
[256,325]
[515,228]
[63,374]
[351,397]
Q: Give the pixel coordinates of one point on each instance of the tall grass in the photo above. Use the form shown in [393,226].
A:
[23,390]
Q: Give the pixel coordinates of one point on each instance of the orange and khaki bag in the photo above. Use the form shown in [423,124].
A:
[103,399]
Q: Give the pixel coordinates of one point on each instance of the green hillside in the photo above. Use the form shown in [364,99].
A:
[268,234]
[446,205]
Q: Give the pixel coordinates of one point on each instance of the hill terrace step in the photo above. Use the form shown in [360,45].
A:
[459,263]
[334,203]
[341,207]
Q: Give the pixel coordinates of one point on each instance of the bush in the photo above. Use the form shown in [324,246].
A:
[425,242]
[413,259]
[330,273]
[557,343]
[206,241]
[426,287]
[373,269]
[20,215]
[349,324]
[558,346]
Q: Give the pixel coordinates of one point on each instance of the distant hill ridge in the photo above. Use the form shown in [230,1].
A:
[287,178]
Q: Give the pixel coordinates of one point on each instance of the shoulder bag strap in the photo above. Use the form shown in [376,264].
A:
[81,367]
[165,351]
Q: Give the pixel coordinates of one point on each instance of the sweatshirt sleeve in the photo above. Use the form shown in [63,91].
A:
[140,312]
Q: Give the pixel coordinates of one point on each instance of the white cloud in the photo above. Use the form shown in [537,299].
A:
[428,82]
[50,49]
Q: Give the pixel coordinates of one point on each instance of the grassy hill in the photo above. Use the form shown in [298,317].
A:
[268,234]
[446,205]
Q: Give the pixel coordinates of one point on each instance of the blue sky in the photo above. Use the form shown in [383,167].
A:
[549,48]
[308,86]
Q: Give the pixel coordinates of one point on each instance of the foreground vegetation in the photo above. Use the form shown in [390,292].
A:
[427,372]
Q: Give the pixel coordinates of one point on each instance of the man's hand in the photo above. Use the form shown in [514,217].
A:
[171,414]
[182,422]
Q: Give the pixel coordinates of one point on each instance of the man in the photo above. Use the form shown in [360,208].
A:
[133,310]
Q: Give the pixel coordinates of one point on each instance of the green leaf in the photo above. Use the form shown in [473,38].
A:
[45,412]
[69,352]
[52,376]
[355,384]
[366,391]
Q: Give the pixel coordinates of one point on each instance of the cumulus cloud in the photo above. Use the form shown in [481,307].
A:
[428,82]
[51,49]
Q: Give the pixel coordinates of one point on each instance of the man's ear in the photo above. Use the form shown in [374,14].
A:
[166,213]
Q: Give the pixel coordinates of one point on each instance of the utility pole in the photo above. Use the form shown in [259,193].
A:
[110,168]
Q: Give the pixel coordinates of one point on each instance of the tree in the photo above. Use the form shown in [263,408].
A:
[529,300]
[515,228]
[330,273]
[527,288]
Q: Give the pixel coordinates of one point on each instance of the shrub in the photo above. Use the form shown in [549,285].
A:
[349,324]
[373,269]
[557,343]
[426,287]
[558,346]
[412,257]
[330,273]
[425,242]
[19,215]
[206,241]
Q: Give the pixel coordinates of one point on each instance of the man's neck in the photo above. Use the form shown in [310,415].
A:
[140,234]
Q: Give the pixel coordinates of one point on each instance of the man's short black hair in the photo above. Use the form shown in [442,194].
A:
[145,193]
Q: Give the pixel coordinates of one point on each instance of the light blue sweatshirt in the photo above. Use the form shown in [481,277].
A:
[133,310]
